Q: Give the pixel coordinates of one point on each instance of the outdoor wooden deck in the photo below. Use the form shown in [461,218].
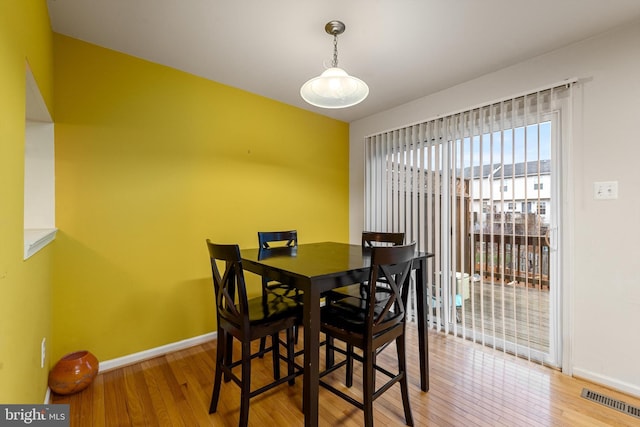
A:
[515,314]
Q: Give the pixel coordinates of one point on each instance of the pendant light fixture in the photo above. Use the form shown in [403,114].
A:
[334,88]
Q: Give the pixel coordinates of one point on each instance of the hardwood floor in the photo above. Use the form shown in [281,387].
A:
[470,386]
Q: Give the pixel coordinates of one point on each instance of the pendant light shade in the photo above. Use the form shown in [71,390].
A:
[334,88]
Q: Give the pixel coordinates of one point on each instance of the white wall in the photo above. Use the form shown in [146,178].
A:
[602,278]
[39,184]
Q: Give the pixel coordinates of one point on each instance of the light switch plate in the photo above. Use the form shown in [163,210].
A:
[606,190]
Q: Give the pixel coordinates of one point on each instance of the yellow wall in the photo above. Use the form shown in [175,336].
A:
[25,286]
[150,162]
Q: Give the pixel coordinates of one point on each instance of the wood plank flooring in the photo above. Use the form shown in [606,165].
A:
[470,386]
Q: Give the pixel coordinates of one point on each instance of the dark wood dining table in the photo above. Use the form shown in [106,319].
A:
[316,268]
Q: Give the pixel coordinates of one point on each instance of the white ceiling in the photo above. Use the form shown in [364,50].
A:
[403,49]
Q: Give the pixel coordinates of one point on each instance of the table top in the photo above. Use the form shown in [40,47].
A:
[313,261]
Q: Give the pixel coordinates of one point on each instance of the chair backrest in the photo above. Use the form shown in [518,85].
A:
[266,239]
[374,238]
[227,284]
[393,265]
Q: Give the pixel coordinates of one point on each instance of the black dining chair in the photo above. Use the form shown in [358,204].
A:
[370,323]
[247,320]
[369,239]
[268,240]
[378,238]
[274,239]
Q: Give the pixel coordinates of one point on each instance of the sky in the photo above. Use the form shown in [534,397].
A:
[507,149]
[516,145]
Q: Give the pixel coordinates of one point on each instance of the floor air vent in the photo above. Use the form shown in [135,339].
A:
[611,403]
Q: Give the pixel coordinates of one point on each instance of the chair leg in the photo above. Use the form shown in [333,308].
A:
[246,384]
[404,386]
[275,344]
[349,381]
[217,380]
[290,355]
[329,354]
[265,297]
[367,388]
[263,345]
[228,354]
[374,360]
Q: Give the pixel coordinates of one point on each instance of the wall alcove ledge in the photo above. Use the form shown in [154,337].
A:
[36,239]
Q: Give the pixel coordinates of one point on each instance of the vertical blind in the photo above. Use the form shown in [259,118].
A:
[476,188]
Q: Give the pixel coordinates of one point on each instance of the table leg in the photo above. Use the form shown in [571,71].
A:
[311,382]
[423,342]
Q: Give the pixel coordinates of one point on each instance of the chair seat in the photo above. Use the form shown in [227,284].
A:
[349,313]
[268,309]
[358,290]
[345,291]
[283,290]
[272,307]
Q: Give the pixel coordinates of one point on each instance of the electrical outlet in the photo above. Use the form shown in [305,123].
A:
[605,190]
[43,352]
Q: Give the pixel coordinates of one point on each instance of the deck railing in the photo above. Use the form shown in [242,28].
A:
[512,258]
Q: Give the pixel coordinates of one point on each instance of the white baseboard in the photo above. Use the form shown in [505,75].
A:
[632,389]
[119,362]
[130,359]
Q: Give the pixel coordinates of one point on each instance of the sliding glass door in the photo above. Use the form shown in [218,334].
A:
[480,190]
